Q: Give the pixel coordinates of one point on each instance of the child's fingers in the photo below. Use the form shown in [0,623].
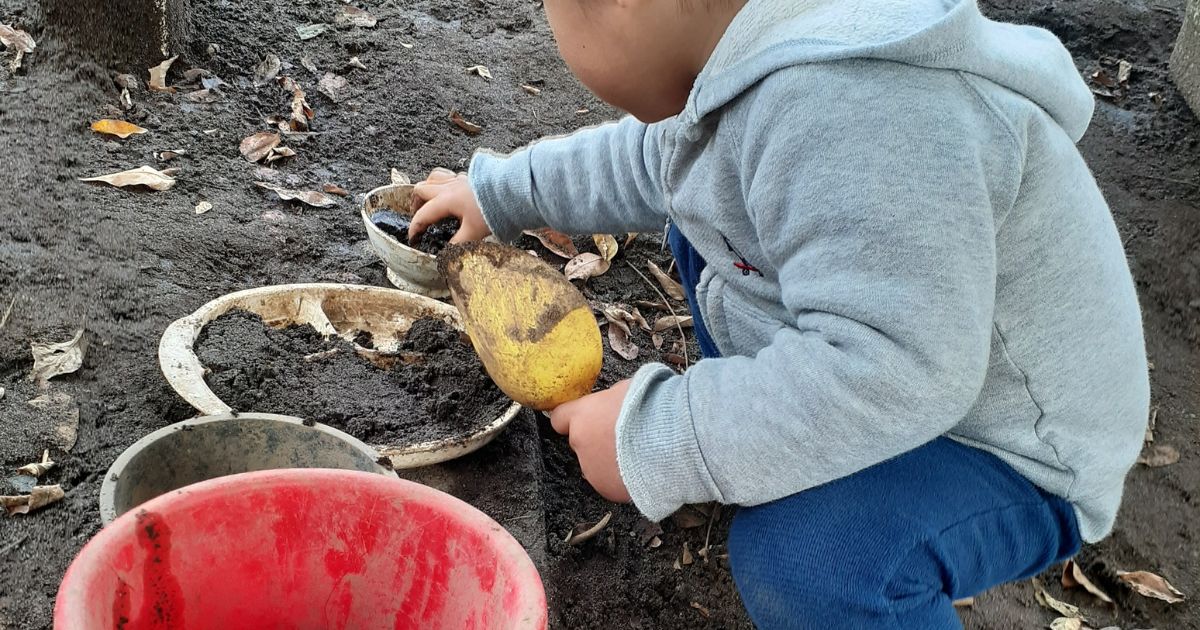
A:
[426,191]
[560,419]
[429,213]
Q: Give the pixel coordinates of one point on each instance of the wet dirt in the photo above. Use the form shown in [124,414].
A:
[126,263]
[432,241]
[434,388]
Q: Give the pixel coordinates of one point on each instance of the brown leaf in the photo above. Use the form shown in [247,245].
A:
[641,321]
[657,340]
[309,31]
[310,197]
[586,265]
[675,359]
[464,124]
[480,71]
[668,322]
[531,90]
[1124,69]
[55,359]
[333,85]
[38,498]
[258,146]
[37,469]
[1150,585]
[702,610]
[1159,455]
[16,38]
[556,242]
[606,244]
[688,517]
[158,76]
[278,153]
[118,128]
[302,114]
[966,602]
[1073,576]
[355,16]
[687,558]
[618,340]
[1067,623]
[1048,601]
[1101,78]
[334,189]
[202,96]
[127,81]
[647,530]
[656,306]
[141,176]
[629,238]
[167,156]
[267,69]
[585,531]
[673,289]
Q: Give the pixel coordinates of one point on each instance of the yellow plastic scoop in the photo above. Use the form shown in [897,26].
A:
[533,330]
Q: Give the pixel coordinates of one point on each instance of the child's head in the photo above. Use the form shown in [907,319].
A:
[640,55]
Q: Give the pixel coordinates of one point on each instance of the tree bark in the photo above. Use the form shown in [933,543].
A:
[124,33]
[1185,60]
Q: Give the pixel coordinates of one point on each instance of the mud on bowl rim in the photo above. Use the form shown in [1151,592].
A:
[308,304]
[408,268]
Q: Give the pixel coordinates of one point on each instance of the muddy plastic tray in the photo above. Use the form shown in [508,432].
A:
[333,309]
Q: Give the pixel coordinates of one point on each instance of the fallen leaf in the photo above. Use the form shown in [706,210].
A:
[59,408]
[310,197]
[278,153]
[606,244]
[267,69]
[256,147]
[37,469]
[126,99]
[481,71]
[1149,437]
[618,340]
[38,498]
[333,85]
[582,110]
[334,189]
[311,30]
[171,154]
[585,532]
[16,38]
[1124,69]
[1067,623]
[464,124]
[355,63]
[668,322]
[56,359]
[400,179]
[1156,98]
[557,242]
[703,611]
[196,73]
[1101,78]
[531,90]
[1048,601]
[158,76]
[127,81]
[1150,585]
[687,558]
[586,265]
[309,65]
[657,340]
[203,207]
[356,17]
[629,238]
[647,530]
[118,128]
[688,517]
[673,289]
[302,114]
[1073,576]
[15,64]
[408,46]
[202,96]
[1159,455]
[657,305]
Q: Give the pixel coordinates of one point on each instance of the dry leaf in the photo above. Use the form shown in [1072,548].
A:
[61,409]
[703,611]
[278,153]
[481,71]
[1067,623]
[118,128]
[606,244]
[687,558]
[657,340]
[408,46]
[1048,601]
[158,76]
[37,469]
[55,359]
[641,321]
[310,197]
[1159,455]
[126,99]
[356,17]
[966,602]
[203,207]
[464,124]
[167,156]
[1124,69]
[629,238]
[334,189]
[673,289]
[584,266]
[311,30]
[202,96]
[1073,576]
[582,110]
[1150,585]
[38,498]
[555,241]
[302,114]
[400,179]
[333,85]
[196,73]
[647,530]
[668,322]
[531,90]
[1157,99]
[355,63]
[258,146]
[16,38]
[1101,78]
[267,69]
[618,340]
[127,81]
[688,517]
[584,532]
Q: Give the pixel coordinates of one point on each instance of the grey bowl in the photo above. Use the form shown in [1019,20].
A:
[215,446]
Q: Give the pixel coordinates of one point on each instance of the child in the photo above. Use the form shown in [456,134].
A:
[927,374]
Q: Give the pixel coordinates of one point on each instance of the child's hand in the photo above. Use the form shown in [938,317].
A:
[591,425]
[441,196]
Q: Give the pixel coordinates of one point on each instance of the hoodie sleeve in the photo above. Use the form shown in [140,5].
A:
[880,228]
[603,179]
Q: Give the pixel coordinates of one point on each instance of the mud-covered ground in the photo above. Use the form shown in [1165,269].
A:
[124,264]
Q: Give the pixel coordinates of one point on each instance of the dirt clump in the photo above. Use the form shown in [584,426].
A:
[432,241]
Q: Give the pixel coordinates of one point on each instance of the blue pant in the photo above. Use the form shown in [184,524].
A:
[891,546]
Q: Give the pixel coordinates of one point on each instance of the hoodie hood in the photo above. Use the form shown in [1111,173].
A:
[769,35]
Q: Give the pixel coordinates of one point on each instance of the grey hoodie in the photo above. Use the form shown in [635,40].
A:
[935,257]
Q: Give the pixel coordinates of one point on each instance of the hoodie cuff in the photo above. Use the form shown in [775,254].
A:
[658,453]
[503,186]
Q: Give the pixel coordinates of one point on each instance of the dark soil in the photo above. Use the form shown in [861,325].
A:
[435,389]
[126,263]
[431,241]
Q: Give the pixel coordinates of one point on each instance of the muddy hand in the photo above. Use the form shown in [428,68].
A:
[444,195]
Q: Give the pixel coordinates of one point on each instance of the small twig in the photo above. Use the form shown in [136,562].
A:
[13,545]
[7,312]
[1171,180]
[590,533]
[711,518]
[678,322]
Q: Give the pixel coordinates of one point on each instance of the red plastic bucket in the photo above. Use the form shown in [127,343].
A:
[302,549]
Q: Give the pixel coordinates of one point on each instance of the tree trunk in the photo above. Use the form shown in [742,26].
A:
[122,33]
[1185,61]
